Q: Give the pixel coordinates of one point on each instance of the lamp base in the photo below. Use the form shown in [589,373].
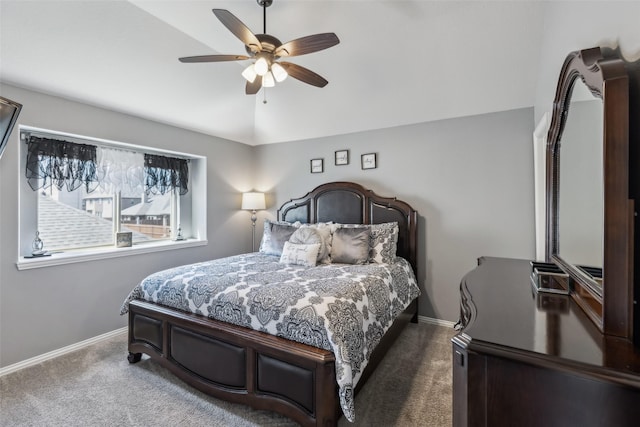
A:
[253,226]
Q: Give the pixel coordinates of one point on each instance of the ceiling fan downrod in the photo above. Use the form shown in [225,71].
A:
[265,4]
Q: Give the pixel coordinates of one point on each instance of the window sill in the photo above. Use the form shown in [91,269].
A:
[61,258]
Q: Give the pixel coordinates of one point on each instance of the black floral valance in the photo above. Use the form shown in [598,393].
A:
[57,163]
[63,164]
[164,173]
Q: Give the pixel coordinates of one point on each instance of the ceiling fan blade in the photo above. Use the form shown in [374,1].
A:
[253,88]
[238,29]
[308,44]
[213,58]
[304,74]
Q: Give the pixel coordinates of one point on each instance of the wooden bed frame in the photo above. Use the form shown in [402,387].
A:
[261,370]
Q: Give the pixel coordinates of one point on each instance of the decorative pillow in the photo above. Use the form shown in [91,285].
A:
[350,245]
[383,242]
[266,234]
[275,235]
[326,231]
[300,254]
[307,236]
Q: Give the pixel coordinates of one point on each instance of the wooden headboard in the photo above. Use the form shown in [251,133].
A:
[351,203]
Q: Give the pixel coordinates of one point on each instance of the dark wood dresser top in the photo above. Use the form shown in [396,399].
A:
[503,315]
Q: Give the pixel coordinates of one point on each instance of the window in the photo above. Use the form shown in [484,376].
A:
[86,192]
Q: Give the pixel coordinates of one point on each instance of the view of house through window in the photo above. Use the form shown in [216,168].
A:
[77,219]
[86,194]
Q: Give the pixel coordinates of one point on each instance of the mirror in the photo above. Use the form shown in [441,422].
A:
[589,227]
[581,200]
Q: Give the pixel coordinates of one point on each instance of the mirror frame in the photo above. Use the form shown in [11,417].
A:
[604,73]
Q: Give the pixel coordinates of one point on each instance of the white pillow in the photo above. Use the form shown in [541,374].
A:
[300,254]
[308,236]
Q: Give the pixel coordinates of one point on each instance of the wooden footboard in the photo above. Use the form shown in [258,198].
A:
[246,366]
[237,364]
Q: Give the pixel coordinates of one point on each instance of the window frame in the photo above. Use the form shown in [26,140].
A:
[192,205]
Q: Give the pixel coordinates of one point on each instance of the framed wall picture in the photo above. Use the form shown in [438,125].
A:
[342,157]
[317,165]
[368,161]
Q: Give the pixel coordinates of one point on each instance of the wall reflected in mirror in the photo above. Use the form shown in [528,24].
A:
[581,200]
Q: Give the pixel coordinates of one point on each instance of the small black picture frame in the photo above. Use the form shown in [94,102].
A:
[342,157]
[368,161]
[124,239]
[317,165]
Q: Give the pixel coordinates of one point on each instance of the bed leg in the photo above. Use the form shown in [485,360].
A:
[414,318]
[134,357]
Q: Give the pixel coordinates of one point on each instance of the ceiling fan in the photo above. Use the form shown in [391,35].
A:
[266,50]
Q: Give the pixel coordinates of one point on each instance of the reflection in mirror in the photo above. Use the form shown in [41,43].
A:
[581,201]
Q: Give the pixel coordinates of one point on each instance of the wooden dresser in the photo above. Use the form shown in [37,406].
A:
[524,358]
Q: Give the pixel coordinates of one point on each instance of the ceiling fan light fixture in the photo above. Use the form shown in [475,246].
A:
[267,80]
[250,74]
[261,66]
[279,73]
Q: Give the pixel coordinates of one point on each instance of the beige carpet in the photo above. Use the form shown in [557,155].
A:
[98,387]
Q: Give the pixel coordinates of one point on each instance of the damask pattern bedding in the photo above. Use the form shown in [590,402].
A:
[343,308]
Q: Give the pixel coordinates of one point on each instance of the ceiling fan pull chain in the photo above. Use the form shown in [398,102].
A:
[264,93]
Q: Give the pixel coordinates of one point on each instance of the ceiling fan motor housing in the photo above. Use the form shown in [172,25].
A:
[268,42]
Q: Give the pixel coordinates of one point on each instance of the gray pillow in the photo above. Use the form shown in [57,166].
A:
[350,245]
[274,237]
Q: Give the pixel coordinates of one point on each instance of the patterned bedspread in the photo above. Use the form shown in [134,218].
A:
[338,307]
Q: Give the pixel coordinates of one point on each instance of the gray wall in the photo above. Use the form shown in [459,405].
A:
[571,26]
[470,179]
[49,308]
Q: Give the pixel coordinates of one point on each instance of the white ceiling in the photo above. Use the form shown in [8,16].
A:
[398,62]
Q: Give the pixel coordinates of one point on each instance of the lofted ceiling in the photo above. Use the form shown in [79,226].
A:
[398,62]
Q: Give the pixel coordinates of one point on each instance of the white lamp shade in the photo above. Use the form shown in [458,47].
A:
[250,74]
[279,73]
[261,66]
[253,201]
[267,80]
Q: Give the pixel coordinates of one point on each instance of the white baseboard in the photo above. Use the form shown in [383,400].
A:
[73,347]
[55,353]
[439,322]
